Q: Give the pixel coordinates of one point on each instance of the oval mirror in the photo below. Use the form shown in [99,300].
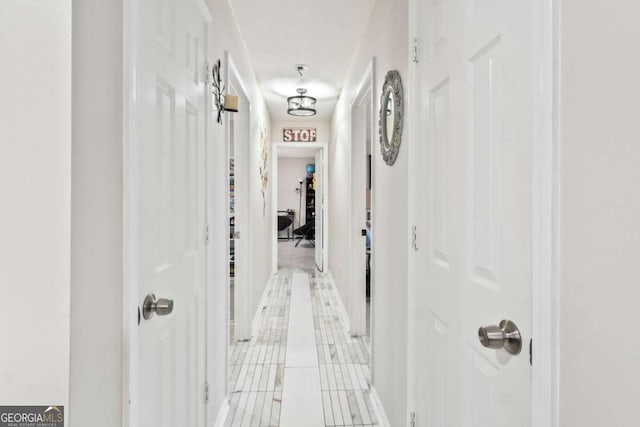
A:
[391,114]
[388,125]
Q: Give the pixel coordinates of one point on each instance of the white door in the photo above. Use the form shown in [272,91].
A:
[475,211]
[168,163]
[319,209]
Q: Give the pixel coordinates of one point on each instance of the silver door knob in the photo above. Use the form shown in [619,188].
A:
[506,335]
[151,305]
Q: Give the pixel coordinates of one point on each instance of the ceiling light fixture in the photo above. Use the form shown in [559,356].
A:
[301,105]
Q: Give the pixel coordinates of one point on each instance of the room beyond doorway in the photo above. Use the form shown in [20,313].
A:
[300,210]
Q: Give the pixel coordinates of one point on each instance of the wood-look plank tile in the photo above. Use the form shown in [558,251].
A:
[362,406]
[328,410]
[344,405]
[275,408]
[249,408]
[257,367]
[255,383]
[257,409]
[240,411]
[335,405]
[265,416]
[353,407]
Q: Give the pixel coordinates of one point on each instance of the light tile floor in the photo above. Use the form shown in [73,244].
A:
[333,390]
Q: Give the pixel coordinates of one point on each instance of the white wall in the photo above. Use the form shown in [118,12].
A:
[289,171]
[599,213]
[386,40]
[323,128]
[97,212]
[35,187]
[226,37]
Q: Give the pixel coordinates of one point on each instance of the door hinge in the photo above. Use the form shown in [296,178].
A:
[414,237]
[531,352]
[206,392]
[206,234]
[412,419]
[414,49]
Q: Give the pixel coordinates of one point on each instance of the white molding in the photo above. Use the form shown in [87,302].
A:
[344,316]
[274,208]
[223,411]
[324,146]
[357,298]
[243,224]
[378,408]
[412,133]
[544,385]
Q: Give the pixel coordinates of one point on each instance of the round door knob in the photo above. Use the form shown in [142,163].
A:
[151,306]
[506,335]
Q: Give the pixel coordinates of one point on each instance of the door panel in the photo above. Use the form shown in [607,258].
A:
[475,204]
[168,157]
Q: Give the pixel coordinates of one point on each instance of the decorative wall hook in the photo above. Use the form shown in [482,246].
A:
[218,89]
[224,102]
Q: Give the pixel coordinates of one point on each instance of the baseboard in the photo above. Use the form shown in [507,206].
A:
[263,300]
[378,408]
[344,317]
[222,414]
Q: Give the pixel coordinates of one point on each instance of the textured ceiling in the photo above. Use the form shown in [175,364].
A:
[322,34]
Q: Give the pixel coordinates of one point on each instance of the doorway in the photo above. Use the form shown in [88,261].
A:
[300,212]
[362,204]
[239,272]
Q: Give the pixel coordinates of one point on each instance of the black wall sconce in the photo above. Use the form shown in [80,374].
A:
[224,102]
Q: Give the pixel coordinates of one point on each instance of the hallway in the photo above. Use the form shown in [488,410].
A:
[302,367]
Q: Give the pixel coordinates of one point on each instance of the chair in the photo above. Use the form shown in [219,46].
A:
[307,232]
[285,219]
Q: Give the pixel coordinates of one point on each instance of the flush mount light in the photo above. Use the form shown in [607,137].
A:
[301,105]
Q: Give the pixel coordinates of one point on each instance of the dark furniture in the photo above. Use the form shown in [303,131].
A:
[285,222]
[306,232]
[310,201]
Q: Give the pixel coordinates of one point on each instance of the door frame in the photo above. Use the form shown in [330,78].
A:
[324,147]
[545,375]
[358,307]
[232,78]
[130,301]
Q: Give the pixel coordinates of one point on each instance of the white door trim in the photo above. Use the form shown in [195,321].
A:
[358,305]
[545,377]
[324,146]
[233,79]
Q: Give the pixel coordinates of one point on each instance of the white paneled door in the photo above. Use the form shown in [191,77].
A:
[475,211]
[168,221]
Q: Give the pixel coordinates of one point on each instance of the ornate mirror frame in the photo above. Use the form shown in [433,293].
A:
[389,147]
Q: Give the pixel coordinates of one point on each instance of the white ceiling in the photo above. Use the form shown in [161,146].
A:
[322,34]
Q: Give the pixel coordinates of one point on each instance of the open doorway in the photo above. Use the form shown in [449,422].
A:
[239,239]
[299,175]
[362,209]
[296,208]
